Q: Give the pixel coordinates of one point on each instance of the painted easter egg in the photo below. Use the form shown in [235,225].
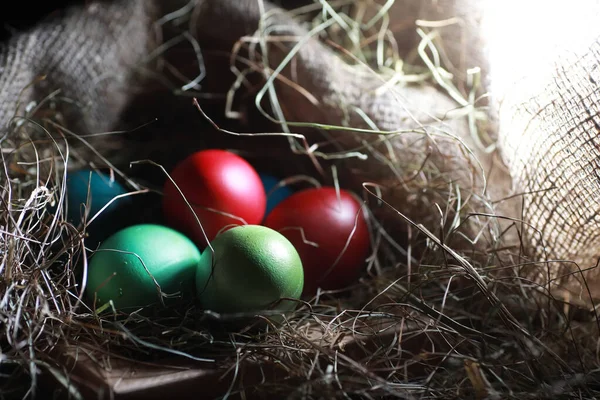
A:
[137,265]
[254,267]
[329,232]
[88,191]
[223,189]
[275,195]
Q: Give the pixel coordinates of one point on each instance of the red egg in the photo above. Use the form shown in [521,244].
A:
[223,189]
[335,224]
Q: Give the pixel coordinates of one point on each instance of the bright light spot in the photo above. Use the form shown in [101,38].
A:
[526,37]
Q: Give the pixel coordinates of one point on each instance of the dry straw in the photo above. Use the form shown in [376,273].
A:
[426,321]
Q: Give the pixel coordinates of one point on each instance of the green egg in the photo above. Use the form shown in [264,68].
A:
[130,264]
[254,267]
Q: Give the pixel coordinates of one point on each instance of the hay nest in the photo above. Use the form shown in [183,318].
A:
[425,320]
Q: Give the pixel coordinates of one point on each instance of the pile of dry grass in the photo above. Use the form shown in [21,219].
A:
[424,322]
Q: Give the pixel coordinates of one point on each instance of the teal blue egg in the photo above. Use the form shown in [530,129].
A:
[92,190]
[274,196]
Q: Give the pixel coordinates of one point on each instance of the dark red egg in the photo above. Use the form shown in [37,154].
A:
[337,225]
[223,189]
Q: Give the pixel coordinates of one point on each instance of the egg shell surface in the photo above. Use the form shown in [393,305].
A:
[223,189]
[274,196]
[90,190]
[323,228]
[130,263]
[254,266]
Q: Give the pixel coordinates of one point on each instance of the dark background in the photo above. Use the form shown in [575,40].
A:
[24,14]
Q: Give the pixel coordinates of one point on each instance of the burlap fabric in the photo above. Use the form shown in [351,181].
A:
[95,53]
[88,55]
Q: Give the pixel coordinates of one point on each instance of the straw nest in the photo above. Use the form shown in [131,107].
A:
[424,321]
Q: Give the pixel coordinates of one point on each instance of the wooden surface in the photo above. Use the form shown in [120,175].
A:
[182,379]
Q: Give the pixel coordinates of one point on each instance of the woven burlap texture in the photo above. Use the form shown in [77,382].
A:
[88,55]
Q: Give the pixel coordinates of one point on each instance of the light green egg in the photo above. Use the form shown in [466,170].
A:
[138,265]
[254,267]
